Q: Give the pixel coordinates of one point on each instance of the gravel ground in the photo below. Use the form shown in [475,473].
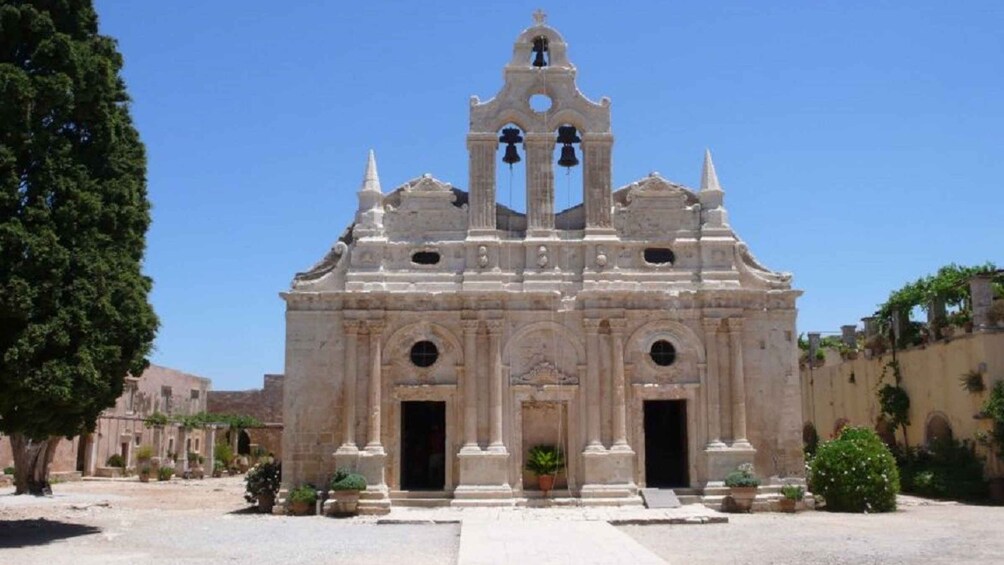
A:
[197,522]
[919,532]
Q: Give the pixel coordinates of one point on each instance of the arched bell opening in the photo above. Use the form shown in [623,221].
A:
[540,54]
[510,178]
[568,182]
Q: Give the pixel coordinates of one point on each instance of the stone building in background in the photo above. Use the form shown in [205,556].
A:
[120,429]
[446,334]
[264,404]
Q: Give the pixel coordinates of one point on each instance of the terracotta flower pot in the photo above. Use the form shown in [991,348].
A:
[344,502]
[788,505]
[546,483]
[742,498]
[266,502]
[300,508]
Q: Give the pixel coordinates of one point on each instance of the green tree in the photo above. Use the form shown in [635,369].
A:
[74,311]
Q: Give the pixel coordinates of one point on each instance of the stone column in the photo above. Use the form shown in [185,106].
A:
[181,465]
[349,397]
[849,336]
[495,444]
[470,386]
[712,385]
[211,448]
[594,442]
[482,149]
[871,325]
[90,453]
[374,444]
[738,383]
[539,182]
[619,410]
[982,295]
[596,175]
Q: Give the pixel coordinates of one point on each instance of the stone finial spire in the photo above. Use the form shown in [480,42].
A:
[709,178]
[711,195]
[369,217]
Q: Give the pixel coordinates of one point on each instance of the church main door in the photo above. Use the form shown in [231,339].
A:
[423,445]
[666,444]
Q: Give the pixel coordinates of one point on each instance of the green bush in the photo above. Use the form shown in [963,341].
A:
[545,460]
[344,480]
[224,453]
[144,453]
[742,477]
[165,473]
[855,473]
[262,479]
[793,492]
[946,469]
[8,470]
[303,493]
[115,460]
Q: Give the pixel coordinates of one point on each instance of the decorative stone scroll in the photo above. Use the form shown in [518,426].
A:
[544,374]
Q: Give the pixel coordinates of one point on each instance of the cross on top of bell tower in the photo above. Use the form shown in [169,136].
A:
[539,17]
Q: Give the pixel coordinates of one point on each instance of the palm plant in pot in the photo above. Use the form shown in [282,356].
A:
[742,485]
[302,500]
[144,454]
[544,461]
[344,495]
[262,484]
[792,494]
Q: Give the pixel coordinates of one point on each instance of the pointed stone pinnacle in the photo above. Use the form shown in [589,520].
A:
[371,181]
[709,178]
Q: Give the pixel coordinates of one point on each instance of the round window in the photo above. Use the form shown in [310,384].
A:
[663,353]
[424,353]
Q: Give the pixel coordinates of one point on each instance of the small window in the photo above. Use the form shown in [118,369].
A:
[659,255]
[195,394]
[425,257]
[424,353]
[662,353]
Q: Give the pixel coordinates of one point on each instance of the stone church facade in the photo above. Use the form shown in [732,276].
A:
[444,334]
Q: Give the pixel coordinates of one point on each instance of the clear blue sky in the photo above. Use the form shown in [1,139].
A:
[860,144]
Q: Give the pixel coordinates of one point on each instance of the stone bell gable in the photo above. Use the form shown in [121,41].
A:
[445,334]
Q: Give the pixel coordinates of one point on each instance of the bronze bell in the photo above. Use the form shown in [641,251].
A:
[511,155]
[539,46]
[566,135]
[568,158]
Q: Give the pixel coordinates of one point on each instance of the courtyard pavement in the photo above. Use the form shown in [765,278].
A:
[206,523]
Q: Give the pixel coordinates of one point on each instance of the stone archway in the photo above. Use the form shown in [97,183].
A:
[937,428]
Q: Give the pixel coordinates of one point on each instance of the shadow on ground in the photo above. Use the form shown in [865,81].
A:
[26,533]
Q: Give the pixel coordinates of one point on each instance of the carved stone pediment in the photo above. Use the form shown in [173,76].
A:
[423,207]
[426,184]
[654,186]
[653,207]
[544,374]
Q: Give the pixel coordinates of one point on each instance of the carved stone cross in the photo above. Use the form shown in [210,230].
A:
[539,17]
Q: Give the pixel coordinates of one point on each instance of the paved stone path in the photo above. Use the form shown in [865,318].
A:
[550,543]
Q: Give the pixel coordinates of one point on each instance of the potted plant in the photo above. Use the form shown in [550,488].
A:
[262,484]
[302,500]
[218,468]
[195,466]
[545,461]
[792,494]
[165,473]
[742,485]
[345,487]
[144,454]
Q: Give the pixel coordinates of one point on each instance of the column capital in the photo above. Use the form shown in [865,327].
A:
[592,325]
[352,327]
[711,325]
[735,324]
[617,326]
[470,326]
[494,326]
[375,327]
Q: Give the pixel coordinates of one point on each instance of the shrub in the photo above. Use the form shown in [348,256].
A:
[344,480]
[195,459]
[165,473]
[855,473]
[303,493]
[742,477]
[144,453]
[115,460]
[224,453]
[793,492]
[946,469]
[8,470]
[263,479]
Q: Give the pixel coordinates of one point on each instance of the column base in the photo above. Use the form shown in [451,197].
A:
[484,479]
[723,460]
[609,477]
[376,498]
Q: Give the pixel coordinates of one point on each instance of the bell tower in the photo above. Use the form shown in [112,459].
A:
[540,66]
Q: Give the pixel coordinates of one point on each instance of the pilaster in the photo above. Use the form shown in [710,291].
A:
[540,183]
[482,149]
[596,178]
[738,384]
[594,443]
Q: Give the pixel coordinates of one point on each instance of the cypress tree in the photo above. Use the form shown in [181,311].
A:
[74,312]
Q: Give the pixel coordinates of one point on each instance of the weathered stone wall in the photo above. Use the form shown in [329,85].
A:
[265,403]
[847,390]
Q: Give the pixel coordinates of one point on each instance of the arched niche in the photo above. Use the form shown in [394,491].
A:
[542,344]
[397,353]
[689,353]
[937,428]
